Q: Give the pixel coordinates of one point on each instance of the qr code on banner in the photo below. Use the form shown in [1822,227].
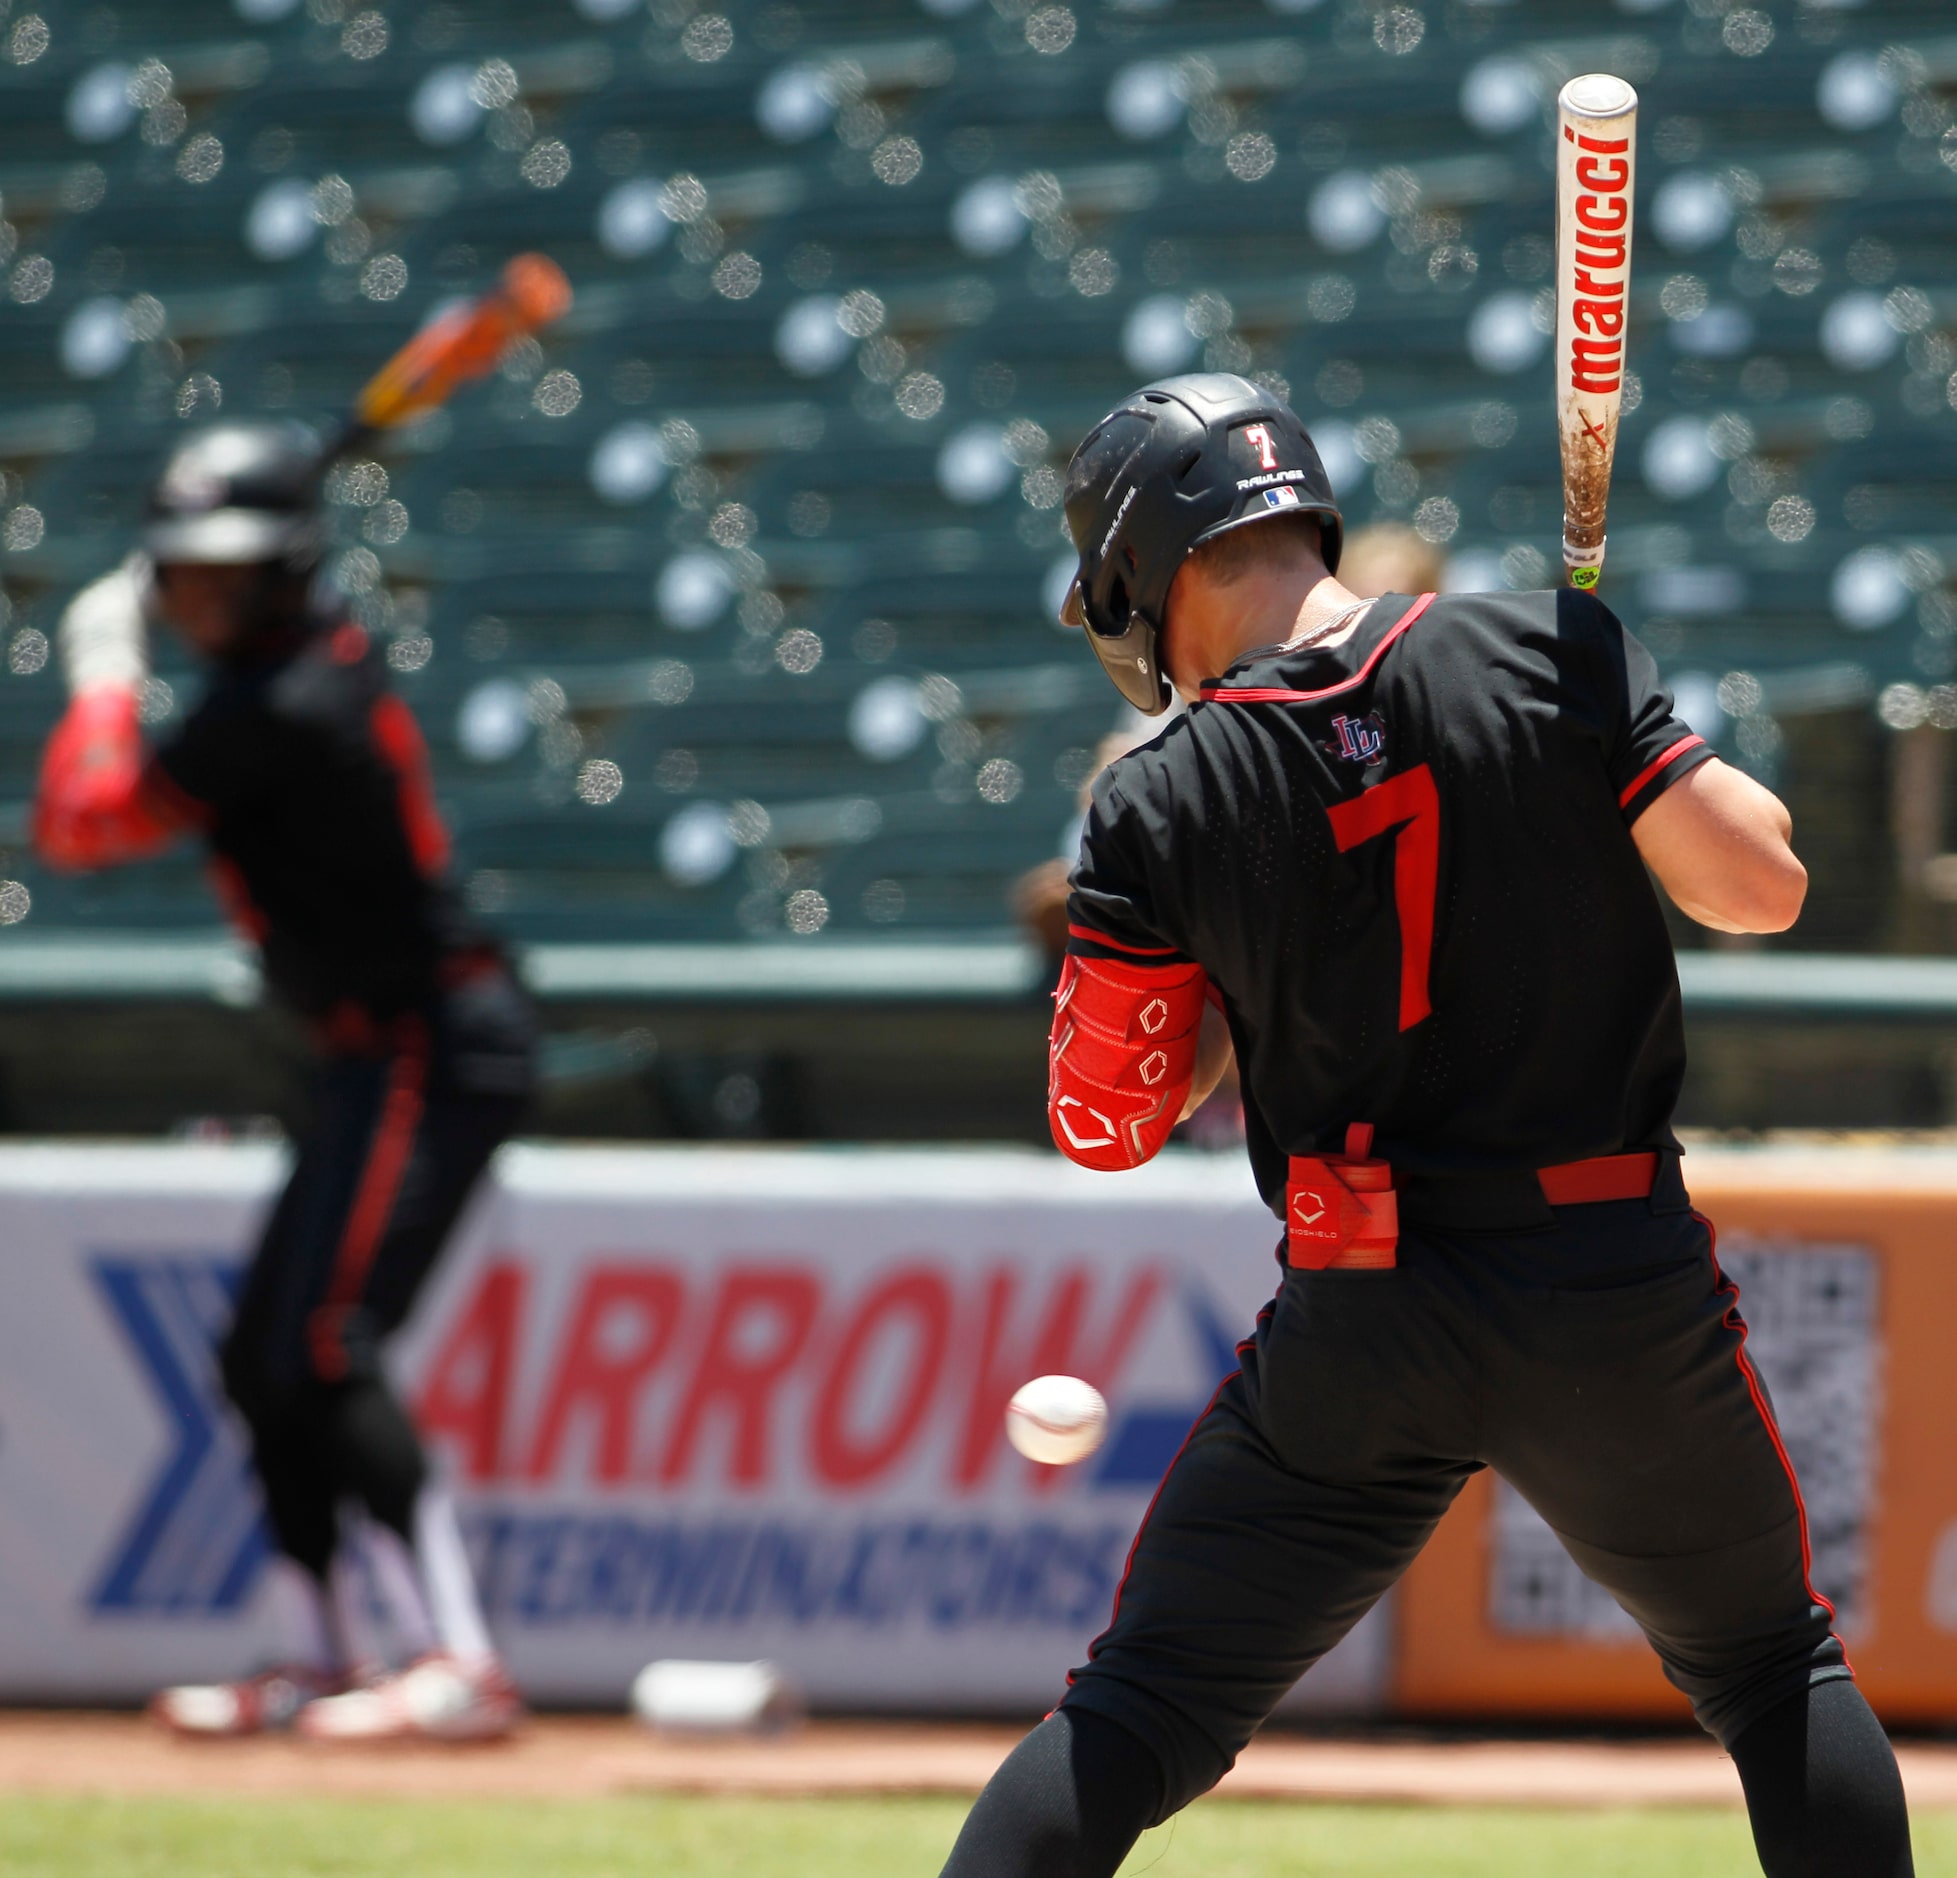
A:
[1812,1332]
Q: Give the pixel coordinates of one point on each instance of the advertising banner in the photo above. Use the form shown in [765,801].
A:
[704,1403]
[746,1403]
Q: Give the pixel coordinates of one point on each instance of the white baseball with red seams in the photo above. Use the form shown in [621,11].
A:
[1057,1419]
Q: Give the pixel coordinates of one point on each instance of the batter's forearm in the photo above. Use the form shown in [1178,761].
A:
[96,804]
[1122,1058]
[1721,846]
[103,638]
[1214,1053]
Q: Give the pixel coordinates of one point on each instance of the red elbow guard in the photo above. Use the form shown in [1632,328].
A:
[92,807]
[1122,1057]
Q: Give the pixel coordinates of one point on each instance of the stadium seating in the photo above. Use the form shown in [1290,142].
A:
[729,607]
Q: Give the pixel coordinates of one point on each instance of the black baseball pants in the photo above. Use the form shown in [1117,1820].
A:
[399,1135]
[1597,1361]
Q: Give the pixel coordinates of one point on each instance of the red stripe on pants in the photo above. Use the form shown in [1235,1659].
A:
[373,1200]
[1733,1321]
[1135,1544]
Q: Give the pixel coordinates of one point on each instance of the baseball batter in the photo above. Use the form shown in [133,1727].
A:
[308,779]
[1395,856]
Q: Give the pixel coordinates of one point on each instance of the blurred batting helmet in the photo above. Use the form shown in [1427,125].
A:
[239,493]
[1179,463]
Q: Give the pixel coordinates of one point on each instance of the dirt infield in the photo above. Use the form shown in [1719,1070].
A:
[574,1756]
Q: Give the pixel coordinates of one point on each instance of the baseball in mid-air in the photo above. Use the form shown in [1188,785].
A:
[1057,1419]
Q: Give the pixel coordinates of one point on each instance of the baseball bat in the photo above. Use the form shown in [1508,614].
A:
[457,346]
[1596,171]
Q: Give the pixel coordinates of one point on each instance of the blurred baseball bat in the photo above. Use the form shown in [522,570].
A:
[1596,168]
[457,346]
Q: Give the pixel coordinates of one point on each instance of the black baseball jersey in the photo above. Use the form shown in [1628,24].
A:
[310,778]
[1405,863]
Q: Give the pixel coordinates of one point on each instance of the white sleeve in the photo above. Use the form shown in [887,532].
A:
[103,635]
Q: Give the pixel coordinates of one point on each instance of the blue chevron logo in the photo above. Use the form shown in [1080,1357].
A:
[195,1544]
[1145,1440]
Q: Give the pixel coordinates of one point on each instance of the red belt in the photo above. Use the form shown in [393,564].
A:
[1341,1213]
[1608,1177]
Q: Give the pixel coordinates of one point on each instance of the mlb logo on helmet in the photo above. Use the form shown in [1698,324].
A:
[1282,497]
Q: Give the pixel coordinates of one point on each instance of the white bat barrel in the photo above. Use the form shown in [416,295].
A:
[1596,173]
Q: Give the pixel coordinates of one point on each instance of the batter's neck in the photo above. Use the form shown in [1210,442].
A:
[1212,624]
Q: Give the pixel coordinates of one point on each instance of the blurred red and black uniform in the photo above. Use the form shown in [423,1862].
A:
[309,781]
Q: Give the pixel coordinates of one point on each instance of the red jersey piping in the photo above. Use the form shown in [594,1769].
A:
[1274,694]
[1644,775]
[1117,945]
[398,741]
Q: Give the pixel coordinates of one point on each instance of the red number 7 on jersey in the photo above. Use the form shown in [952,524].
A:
[1410,803]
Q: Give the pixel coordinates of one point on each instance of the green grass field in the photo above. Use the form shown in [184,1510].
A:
[677,1837]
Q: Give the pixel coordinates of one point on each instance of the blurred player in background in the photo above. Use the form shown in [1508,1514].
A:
[1389,557]
[308,780]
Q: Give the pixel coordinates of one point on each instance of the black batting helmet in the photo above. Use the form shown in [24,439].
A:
[239,493]
[1182,461]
